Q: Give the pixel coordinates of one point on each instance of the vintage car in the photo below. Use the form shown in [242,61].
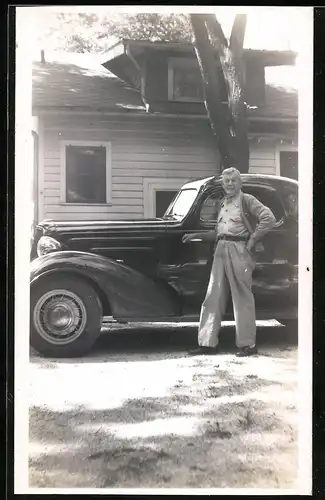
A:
[140,271]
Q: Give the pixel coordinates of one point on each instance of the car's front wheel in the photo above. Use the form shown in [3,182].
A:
[66,316]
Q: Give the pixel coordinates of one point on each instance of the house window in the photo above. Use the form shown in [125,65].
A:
[289,164]
[158,194]
[86,172]
[163,200]
[184,80]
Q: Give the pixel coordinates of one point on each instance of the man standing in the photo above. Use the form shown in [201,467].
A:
[242,221]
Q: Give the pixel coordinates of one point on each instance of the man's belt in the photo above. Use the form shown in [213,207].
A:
[231,237]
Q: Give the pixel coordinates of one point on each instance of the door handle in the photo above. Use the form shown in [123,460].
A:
[194,240]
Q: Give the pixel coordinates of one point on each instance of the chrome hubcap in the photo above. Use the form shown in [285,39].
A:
[60,316]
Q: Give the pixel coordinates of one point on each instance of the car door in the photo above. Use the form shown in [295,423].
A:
[194,258]
[182,265]
[275,266]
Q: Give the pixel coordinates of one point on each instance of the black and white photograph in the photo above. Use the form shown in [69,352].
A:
[163,250]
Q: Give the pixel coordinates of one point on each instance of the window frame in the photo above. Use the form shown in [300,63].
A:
[270,190]
[107,146]
[284,148]
[178,63]
[212,223]
[153,184]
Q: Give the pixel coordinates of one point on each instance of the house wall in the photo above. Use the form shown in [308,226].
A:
[141,148]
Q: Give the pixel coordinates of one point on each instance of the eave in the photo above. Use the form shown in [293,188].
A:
[122,58]
[86,110]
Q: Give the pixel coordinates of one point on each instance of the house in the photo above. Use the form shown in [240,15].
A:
[118,134]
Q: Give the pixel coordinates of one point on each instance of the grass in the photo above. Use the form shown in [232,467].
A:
[162,420]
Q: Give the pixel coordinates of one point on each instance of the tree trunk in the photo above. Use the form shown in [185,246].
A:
[221,66]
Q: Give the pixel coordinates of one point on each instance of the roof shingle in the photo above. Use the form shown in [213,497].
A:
[79,81]
[75,82]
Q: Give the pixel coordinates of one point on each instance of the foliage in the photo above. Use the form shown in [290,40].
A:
[90,32]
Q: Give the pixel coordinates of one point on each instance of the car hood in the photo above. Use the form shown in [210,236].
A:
[52,226]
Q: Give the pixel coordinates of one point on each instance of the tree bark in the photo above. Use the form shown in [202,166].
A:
[221,65]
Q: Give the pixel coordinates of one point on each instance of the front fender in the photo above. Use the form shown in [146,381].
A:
[129,293]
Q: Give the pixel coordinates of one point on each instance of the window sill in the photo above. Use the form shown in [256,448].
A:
[109,204]
[186,99]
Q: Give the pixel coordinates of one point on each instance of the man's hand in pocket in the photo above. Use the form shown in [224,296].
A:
[250,246]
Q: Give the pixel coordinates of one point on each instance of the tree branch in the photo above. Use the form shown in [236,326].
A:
[214,27]
[212,87]
[237,36]
[229,125]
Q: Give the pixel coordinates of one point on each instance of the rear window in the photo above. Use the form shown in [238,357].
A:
[269,198]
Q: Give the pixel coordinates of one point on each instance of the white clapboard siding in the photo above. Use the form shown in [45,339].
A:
[169,173]
[141,148]
[103,209]
[131,194]
[262,158]
[131,181]
[126,187]
[89,215]
[50,191]
[116,201]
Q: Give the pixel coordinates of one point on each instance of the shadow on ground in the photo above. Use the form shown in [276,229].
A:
[224,445]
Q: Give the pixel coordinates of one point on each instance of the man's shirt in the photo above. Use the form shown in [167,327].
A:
[230,220]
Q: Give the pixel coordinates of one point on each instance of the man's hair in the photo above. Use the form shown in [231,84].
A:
[231,170]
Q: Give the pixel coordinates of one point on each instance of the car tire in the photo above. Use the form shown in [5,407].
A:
[65,318]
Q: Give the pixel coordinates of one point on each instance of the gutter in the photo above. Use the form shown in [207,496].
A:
[44,110]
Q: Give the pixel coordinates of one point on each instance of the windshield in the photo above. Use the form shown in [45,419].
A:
[181,204]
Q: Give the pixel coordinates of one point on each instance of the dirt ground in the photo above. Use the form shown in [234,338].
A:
[139,413]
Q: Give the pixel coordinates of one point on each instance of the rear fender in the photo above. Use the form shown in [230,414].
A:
[129,293]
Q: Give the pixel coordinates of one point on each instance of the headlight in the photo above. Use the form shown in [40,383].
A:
[46,244]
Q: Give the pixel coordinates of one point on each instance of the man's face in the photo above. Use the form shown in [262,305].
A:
[231,184]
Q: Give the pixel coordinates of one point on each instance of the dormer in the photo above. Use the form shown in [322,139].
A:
[168,76]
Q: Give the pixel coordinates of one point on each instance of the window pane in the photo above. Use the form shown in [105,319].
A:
[163,200]
[182,203]
[85,174]
[187,83]
[268,198]
[289,164]
[291,202]
[209,207]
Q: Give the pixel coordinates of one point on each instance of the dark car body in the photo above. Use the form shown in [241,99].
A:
[142,271]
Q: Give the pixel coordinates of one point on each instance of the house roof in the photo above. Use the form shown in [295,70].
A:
[80,82]
[269,57]
[280,101]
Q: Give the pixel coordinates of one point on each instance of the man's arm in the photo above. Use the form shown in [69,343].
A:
[265,217]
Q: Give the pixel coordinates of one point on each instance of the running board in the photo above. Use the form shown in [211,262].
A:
[194,324]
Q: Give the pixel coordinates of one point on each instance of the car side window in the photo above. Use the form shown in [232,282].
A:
[209,208]
[269,198]
[291,203]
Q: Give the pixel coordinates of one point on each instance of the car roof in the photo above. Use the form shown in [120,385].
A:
[271,180]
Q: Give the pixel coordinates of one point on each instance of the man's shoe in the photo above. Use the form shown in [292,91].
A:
[204,350]
[246,351]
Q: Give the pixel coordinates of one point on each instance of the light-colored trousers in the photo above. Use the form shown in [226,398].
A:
[232,269]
